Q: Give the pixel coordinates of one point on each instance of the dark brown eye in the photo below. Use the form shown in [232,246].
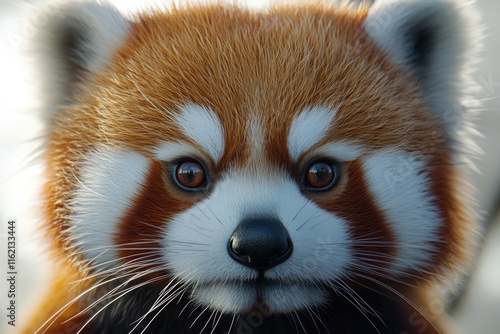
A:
[321,176]
[190,174]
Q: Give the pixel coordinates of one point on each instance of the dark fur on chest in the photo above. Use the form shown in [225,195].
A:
[338,316]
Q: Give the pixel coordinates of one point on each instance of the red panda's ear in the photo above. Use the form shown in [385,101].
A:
[78,40]
[436,40]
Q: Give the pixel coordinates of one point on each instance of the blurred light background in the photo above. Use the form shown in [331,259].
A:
[478,311]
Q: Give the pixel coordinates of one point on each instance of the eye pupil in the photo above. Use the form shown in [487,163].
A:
[190,174]
[320,175]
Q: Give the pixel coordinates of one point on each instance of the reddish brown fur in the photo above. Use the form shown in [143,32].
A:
[357,206]
[237,63]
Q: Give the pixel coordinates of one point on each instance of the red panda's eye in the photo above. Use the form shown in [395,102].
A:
[190,174]
[321,176]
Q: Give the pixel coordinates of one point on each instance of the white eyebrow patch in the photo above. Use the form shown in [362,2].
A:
[308,128]
[343,151]
[168,151]
[203,126]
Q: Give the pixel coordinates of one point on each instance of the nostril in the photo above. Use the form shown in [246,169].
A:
[260,243]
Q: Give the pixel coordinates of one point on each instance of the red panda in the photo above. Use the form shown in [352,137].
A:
[217,169]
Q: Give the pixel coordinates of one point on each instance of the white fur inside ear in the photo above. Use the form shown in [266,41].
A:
[79,39]
[106,30]
[436,40]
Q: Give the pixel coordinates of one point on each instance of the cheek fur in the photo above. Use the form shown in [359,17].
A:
[121,208]
[372,239]
[140,230]
[110,180]
[401,189]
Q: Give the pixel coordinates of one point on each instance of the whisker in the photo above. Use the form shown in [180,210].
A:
[111,293]
[300,210]
[300,321]
[198,317]
[407,300]
[231,324]
[214,326]
[166,302]
[114,300]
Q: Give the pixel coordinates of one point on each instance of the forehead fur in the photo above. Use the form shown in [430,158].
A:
[244,66]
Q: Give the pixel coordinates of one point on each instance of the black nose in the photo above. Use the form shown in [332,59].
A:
[260,243]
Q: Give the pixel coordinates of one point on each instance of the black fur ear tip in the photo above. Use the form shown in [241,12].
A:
[422,45]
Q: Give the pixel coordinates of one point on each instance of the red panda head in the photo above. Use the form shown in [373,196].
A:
[266,156]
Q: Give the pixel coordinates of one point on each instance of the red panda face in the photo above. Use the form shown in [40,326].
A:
[255,158]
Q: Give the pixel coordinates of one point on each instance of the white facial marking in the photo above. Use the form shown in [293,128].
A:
[401,189]
[342,151]
[196,243]
[109,181]
[168,151]
[293,297]
[229,297]
[204,128]
[308,128]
